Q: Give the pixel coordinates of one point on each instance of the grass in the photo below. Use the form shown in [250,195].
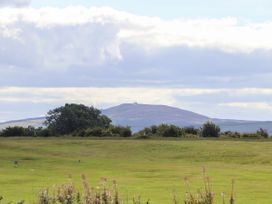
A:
[154,169]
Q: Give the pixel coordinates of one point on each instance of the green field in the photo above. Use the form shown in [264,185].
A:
[151,168]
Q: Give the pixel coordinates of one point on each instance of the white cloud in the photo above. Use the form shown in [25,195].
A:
[228,34]
[16,3]
[95,95]
[249,105]
[84,46]
[91,95]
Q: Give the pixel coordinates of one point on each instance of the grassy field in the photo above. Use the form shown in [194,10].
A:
[151,168]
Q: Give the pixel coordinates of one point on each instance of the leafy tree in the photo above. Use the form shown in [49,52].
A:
[121,131]
[210,129]
[169,131]
[263,133]
[190,130]
[73,117]
[13,131]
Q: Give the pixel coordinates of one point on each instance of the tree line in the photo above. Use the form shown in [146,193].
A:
[83,121]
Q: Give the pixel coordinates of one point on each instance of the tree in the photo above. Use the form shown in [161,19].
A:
[121,131]
[263,133]
[13,131]
[210,129]
[165,130]
[190,130]
[73,117]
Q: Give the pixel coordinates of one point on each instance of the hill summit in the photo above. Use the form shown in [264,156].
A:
[138,116]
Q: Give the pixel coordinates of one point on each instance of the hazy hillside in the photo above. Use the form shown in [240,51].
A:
[35,122]
[138,116]
[243,125]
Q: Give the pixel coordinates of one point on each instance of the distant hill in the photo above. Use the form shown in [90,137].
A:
[35,122]
[243,125]
[138,116]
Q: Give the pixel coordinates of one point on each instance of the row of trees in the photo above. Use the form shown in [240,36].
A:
[209,129]
[84,121]
[72,119]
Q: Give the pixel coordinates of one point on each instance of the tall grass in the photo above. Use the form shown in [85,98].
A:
[106,193]
[67,194]
[205,195]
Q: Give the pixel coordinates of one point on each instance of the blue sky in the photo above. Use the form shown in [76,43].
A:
[212,57]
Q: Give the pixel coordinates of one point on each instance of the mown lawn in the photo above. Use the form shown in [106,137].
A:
[151,168]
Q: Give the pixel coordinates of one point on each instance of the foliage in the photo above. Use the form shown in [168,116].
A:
[30,131]
[13,131]
[73,117]
[259,134]
[262,133]
[210,129]
[120,131]
[67,194]
[106,194]
[165,130]
[162,130]
[169,131]
[191,130]
[112,131]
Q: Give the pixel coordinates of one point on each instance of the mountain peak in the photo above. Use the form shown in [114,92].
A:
[138,116]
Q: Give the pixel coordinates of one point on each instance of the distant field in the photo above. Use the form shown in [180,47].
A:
[151,168]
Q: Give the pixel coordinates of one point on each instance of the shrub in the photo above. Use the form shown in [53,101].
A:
[112,131]
[94,132]
[162,130]
[13,132]
[210,129]
[230,134]
[140,136]
[169,131]
[191,130]
[191,136]
[257,135]
[45,132]
[262,133]
[121,131]
[30,131]
[146,132]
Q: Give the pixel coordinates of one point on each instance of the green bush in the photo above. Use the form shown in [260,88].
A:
[162,130]
[121,131]
[210,129]
[13,132]
[261,133]
[191,130]
[112,131]
[30,131]
[169,131]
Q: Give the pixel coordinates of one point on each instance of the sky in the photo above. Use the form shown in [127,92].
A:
[212,57]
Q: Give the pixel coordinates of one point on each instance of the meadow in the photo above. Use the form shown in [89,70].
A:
[154,169]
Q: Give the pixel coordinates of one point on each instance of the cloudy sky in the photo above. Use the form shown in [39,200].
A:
[212,57]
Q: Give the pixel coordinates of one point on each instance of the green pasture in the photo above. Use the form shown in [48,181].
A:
[153,169]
